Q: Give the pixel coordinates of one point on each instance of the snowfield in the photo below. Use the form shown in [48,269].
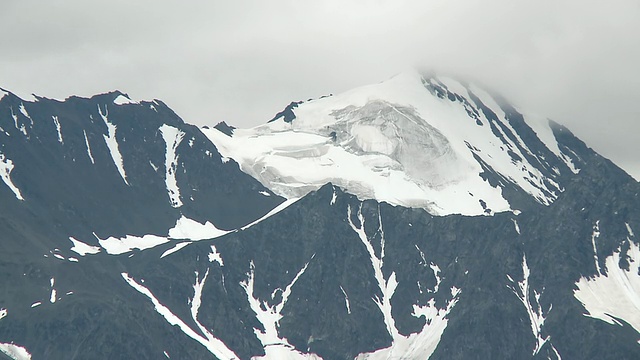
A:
[614,294]
[398,142]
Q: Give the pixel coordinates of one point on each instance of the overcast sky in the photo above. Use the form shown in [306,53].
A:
[242,61]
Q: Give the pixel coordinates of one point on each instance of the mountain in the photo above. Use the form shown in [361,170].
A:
[102,175]
[421,217]
[411,141]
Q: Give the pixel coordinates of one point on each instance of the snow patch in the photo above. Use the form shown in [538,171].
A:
[52,298]
[424,260]
[21,127]
[58,129]
[615,294]
[112,144]
[86,143]
[346,300]
[285,204]
[172,138]
[14,351]
[6,167]
[594,235]
[214,256]
[175,249]
[184,229]
[436,274]
[117,246]
[629,230]
[123,99]
[189,229]
[83,249]
[517,227]
[24,112]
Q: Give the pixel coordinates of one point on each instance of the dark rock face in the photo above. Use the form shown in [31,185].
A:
[225,128]
[327,264]
[71,186]
[70,176]
[287,114]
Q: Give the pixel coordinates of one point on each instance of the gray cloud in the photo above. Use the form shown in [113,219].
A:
[243,61]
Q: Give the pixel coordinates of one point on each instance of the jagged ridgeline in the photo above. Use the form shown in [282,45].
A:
[418,218]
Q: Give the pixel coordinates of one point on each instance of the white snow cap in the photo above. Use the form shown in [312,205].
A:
[402,142]
[123,99]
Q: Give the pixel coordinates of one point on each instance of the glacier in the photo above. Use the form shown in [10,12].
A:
[399,142]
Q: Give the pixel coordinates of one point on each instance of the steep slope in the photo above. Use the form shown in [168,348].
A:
[101,164]
[414,140]
[231,271]
[86,179]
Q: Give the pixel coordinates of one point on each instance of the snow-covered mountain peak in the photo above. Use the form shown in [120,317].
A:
[419,141]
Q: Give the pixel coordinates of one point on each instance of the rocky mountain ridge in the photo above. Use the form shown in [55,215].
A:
[127,233]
